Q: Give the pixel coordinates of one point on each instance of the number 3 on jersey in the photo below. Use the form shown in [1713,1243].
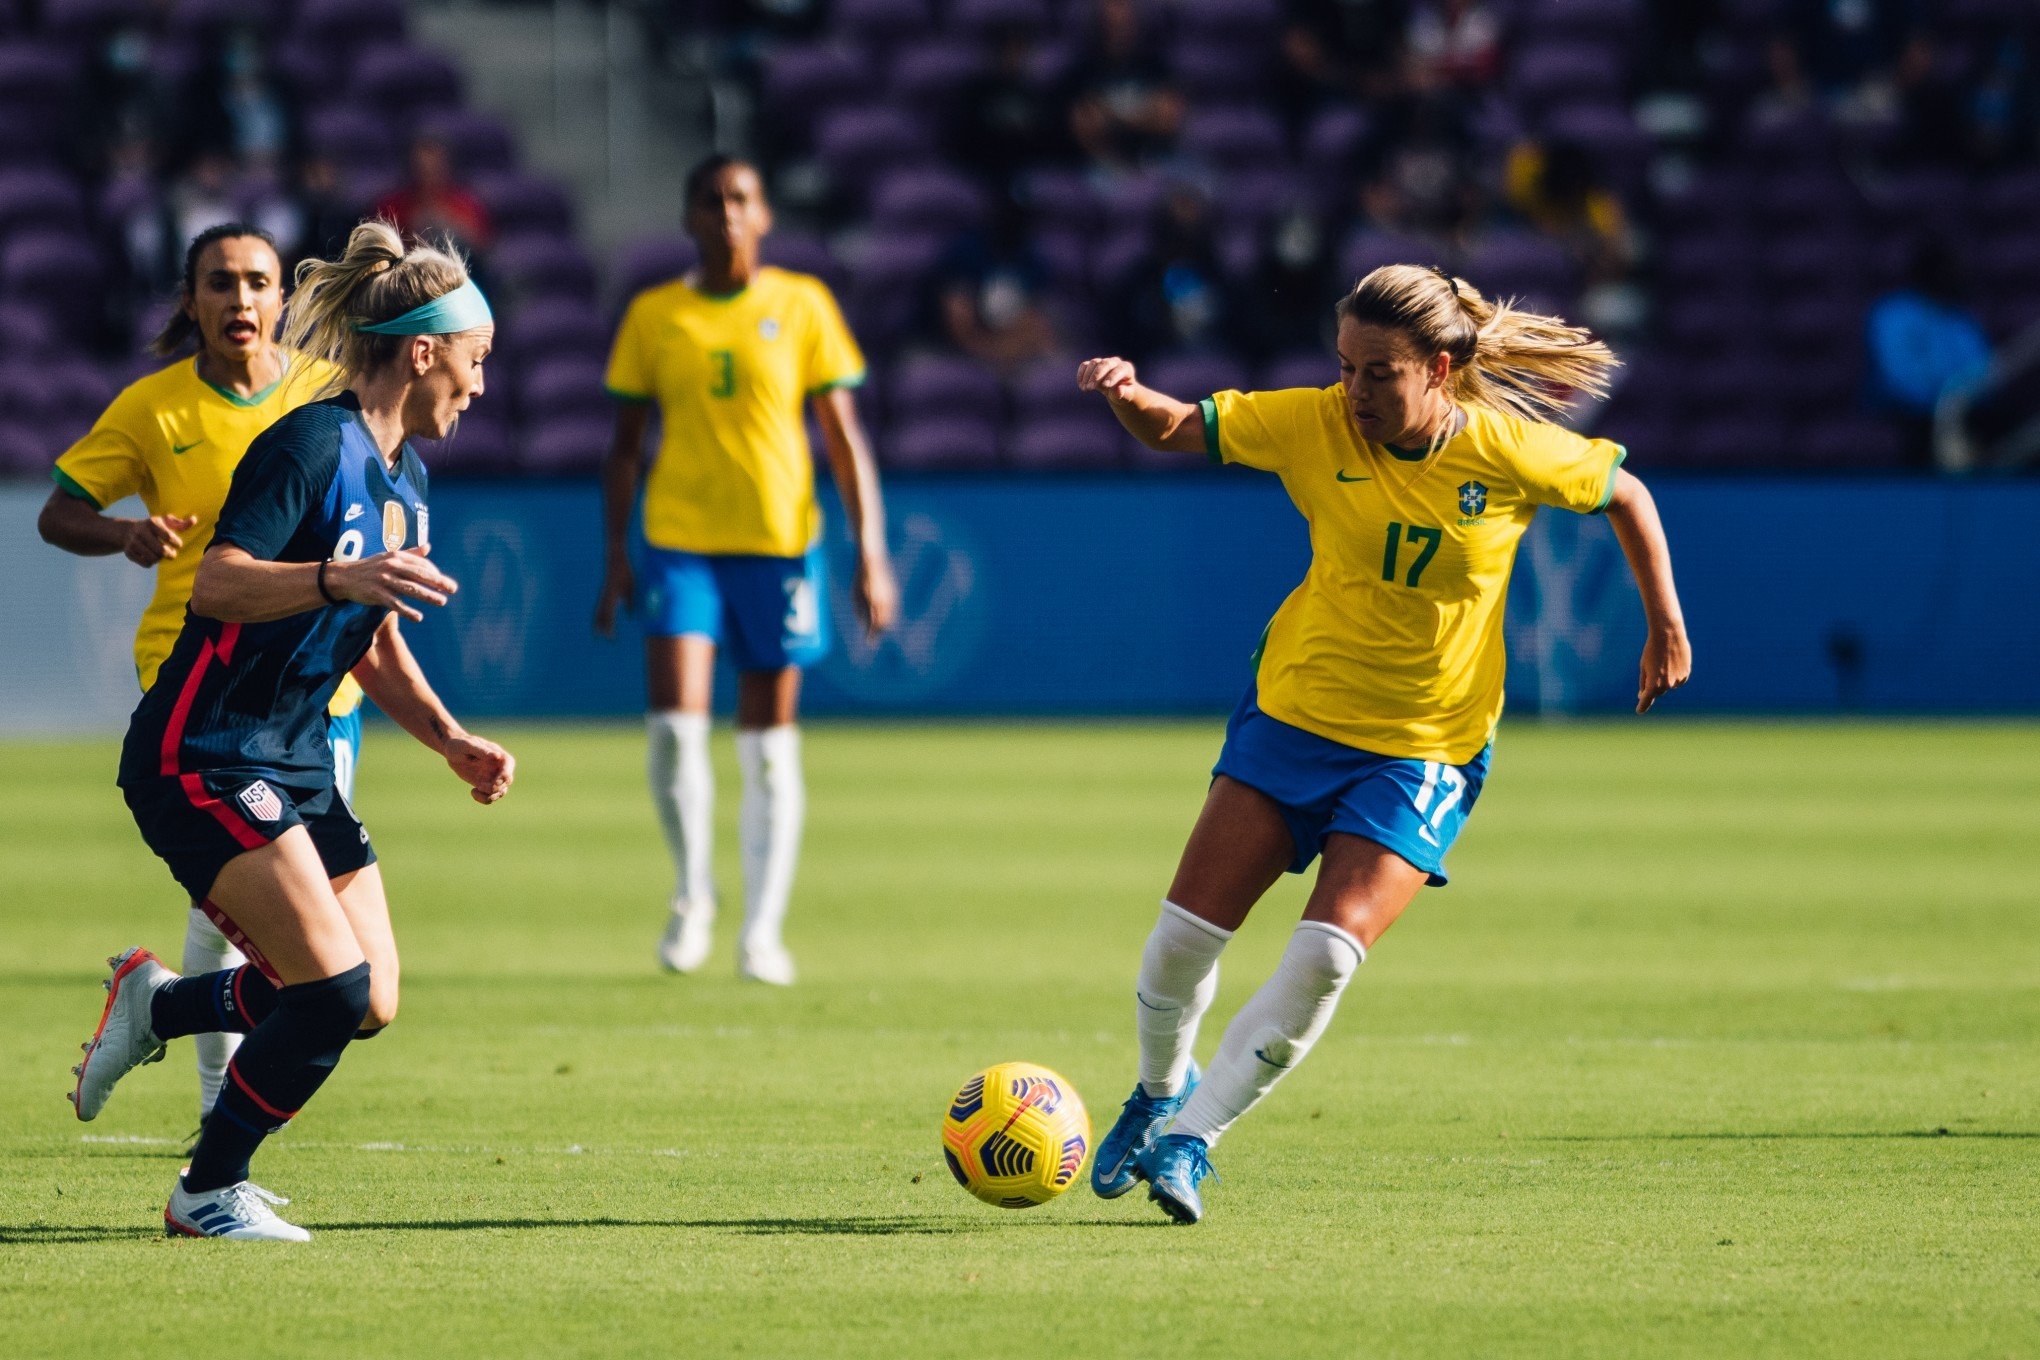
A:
[723,363]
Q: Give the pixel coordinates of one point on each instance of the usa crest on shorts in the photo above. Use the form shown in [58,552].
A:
[262,802]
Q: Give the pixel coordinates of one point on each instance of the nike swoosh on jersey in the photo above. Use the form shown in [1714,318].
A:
[186,448]
[353,512]
[1344,478]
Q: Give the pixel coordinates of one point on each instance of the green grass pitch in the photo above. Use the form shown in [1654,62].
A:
[1725,1041]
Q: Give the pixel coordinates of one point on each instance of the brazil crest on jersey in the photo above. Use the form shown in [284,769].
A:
[1393,643]
[733,475]
[313,487]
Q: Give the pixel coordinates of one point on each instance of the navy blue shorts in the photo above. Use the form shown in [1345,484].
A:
[768,613]
[1415,808]
[196,823]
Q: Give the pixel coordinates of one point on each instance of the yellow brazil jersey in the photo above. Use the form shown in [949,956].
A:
[1393,643]
[733,473]
[174,439]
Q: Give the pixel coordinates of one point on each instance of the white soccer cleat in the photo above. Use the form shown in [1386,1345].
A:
[124,1039]
[690,931]
[766,963]
[240,1212]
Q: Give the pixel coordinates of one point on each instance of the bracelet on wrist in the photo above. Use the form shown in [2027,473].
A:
[328,596]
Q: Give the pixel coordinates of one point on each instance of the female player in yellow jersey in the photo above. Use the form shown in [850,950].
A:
[730,354]
[175,438]
[1366,732]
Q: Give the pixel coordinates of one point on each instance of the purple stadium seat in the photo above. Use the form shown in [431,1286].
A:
[1709,324]
[1234,137]
[929,386]
[38,84]
[942,443]
[52,271]
[1732,442]
[1304,368]
[649,262]
[1580,18]
[1218,70]
[24,451]
[855,144]
[481,444]
[881,22]
[1810,324]
[929,73]
[1821,200]
[351,136]
[198,17]
[1118,255]
[1060,199]
[1334,137]
[33,199]
[404,81]
[1509,262]
[801,82]
[1089,442]
[1740,384]
[553,326]
[930,199]
[803,253]
[344,25]
[558,387]
[1846,441]
[540,265]
[80,22]
[1240,21]
[1066,252]
[521,203]
[1801,264]
[1704,261]
[1048,389]
[23,395]
[2009,258]
[886,282]
[1609,134]
[2007,200]
[1367,249]
[983,16]
[1193,377]
[479,143]
[1824,380]
[24,330]
[1570,71]
[571,446]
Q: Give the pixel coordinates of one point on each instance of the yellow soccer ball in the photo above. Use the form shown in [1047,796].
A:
[1016,1135]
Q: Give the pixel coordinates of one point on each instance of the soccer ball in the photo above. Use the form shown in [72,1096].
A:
[1016,1135]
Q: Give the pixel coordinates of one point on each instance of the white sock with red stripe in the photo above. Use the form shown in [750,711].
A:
[769,827]
[683,792]
[207,951]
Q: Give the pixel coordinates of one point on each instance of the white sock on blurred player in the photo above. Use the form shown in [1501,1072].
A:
[207,951]
[1178,979]
[683,791]
[769,826]
[1274,1029]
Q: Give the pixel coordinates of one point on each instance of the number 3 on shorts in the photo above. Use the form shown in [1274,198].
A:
[803,619]
[1437,778]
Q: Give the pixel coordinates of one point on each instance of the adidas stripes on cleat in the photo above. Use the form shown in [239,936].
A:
[240,1212]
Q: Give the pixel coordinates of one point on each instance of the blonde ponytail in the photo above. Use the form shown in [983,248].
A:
[375,279]
[1513,361]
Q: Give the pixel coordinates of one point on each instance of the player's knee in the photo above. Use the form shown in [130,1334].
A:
[382,1002]
[329,1011]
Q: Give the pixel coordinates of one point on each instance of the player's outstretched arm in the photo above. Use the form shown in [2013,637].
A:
[1160,422]
[856,474]
[76,526]
[619,498]
[1667,653]
[393,680]
[235,586]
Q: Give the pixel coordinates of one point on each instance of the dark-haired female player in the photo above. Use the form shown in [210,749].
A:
[321,545]
[1365,733]
[175,438]
[730,354]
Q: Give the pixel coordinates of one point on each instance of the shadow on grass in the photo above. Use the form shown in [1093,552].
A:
[877,1225]
[63,1234]
[1761,1136]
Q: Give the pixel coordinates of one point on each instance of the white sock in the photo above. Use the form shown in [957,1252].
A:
[1274,1029]
[207,951]
[1178,979]
[683,791]
[768,827]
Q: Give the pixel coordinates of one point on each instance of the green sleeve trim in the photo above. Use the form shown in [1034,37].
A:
[634,398]
[839,384]
[1209,406]
[70,486]
[1621,454]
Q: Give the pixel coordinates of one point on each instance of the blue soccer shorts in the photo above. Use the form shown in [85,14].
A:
[1415,808]
[767,613]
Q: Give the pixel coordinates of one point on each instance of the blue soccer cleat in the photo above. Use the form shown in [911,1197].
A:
[1174,1166]
[1114,1170]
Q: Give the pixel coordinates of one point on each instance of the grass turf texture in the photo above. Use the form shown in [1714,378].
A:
[1726,1040]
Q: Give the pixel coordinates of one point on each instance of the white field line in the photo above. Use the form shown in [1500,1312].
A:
[477,1149]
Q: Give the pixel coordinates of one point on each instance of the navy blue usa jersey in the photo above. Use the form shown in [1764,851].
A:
[313,487]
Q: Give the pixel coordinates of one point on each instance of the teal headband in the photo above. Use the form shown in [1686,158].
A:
[450,313]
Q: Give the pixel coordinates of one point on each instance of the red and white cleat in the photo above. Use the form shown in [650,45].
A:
[124,1040]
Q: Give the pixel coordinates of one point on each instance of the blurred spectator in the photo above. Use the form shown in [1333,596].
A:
[433,201]
[1453,44]
[1176,299]
[1126,111]
[1294,286]
[233,106]
[1558,189]
[328,215]
[991,293]
[1011,120]
[1923,343]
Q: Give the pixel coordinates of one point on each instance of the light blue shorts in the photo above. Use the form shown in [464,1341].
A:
[344,735]
[768,613]
[1415,808]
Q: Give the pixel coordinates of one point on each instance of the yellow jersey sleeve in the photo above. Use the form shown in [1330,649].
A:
[630,368]
[1556,467]
[831,357]
[108,463]
[1264,430]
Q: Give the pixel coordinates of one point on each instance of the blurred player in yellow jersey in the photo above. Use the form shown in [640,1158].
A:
[731,355]
[1365,734]
[174,438]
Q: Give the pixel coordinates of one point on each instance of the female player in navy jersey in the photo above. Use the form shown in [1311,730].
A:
[321,545]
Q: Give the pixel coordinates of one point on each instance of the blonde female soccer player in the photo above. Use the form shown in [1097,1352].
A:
[730,354]
[322,544]
[1365,734]
[175,438]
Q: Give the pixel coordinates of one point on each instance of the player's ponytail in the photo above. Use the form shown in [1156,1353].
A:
[1508,360]
[180,327]
[376,279]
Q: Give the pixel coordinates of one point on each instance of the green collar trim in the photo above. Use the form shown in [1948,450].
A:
[235,397]
[1406,455]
